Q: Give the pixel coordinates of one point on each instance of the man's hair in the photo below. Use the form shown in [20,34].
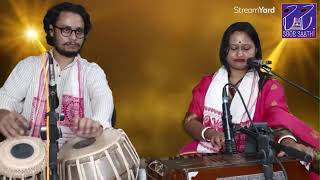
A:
[53,13]
[242,27]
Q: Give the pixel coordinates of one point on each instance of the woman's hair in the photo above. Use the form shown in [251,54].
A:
[53,13]
[242,27]
[252,33]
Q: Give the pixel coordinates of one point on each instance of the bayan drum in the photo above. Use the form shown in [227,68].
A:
[109,156]
[22,158]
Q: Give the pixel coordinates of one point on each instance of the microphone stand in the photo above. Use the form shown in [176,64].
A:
[54,132]
[265,143]
[265,67]
[265,152]
[269,70]
[263,140]
[230,147]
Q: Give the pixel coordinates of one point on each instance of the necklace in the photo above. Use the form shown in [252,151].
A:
[232,90]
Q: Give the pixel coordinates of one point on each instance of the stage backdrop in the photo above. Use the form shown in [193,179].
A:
[155,52]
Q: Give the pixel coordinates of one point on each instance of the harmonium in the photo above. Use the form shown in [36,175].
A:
[221,167]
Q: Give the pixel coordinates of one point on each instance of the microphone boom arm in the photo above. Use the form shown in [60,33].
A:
[269,70]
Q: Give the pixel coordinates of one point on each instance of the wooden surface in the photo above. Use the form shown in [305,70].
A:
[218,166]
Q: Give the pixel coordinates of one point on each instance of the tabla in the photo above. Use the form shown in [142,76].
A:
[22,158]
[109,156]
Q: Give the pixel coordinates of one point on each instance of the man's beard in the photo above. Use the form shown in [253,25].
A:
[67,53]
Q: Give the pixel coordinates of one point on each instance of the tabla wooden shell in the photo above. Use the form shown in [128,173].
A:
[109,156]
[31,166]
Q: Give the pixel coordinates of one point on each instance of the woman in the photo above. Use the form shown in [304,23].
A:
[263,96]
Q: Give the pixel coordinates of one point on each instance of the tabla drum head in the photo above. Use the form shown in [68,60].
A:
[82,147]
[22,157]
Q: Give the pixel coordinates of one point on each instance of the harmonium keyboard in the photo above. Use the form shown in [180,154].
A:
[220,167]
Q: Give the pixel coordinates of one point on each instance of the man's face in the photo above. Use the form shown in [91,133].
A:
[67,44]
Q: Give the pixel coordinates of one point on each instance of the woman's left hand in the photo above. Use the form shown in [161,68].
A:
[291,143]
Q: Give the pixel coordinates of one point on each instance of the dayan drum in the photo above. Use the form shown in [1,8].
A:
[109,156]
[22,158]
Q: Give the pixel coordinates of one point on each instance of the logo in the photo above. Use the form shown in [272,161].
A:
[299,20]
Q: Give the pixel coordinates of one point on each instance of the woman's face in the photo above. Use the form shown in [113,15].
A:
[241,47]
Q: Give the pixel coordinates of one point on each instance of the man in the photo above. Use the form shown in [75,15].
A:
[83,92]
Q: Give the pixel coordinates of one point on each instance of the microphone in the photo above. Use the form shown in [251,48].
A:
[257,63]
[226,122]
[52,83]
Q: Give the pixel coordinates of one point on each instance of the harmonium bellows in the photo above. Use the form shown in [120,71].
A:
[220,167]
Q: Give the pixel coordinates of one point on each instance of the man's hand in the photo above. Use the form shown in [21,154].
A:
[291,143]
[85,127]
[12,124]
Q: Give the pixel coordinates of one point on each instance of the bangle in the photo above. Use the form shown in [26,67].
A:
[287,136]
[202,133]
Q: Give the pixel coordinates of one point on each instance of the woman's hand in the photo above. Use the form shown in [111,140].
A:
[291,143]
[216,138]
